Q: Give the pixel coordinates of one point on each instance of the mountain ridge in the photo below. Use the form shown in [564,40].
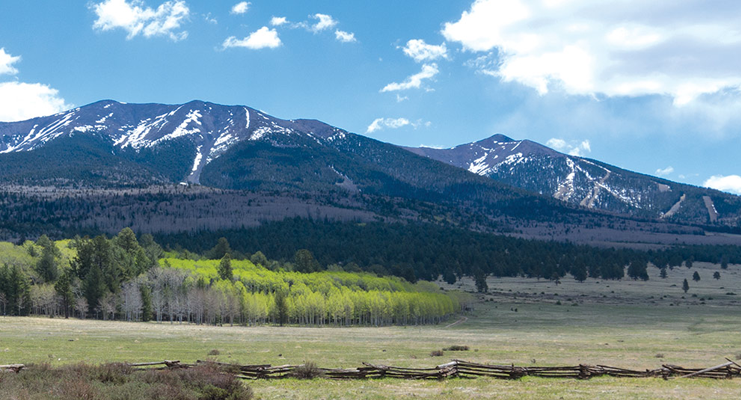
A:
[587,183]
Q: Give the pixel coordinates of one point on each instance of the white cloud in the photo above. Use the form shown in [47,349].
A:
[683,50]
[325,22]
[421,51]
[345,37]
[241,7]
[572,148]
[211,19]
[414,81]
[665,171]
[20,101]
[391,123]
[6,63]
[400,98]
[730,183]
[278,21]
[260,39]
[135,18]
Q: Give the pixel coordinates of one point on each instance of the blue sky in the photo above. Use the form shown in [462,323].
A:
[653,87]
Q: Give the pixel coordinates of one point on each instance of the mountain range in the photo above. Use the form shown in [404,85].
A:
[496,183]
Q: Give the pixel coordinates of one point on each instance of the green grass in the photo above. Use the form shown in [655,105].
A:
[624,329]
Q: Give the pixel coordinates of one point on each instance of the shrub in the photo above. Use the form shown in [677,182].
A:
[436,353]
[308,370]
[214,352]
[456,348]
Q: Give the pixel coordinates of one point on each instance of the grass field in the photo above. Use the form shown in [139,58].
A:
[634,327]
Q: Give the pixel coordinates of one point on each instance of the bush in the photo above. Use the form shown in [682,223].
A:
[113,381]
[214,352]
[456,348]
[308,370]
[436,353]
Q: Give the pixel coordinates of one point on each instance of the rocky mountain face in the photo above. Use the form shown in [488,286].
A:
[111,144]
[587,183]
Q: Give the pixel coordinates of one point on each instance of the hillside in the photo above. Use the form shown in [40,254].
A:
[588,183]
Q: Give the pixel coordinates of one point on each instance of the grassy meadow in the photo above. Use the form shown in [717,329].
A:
[620,323]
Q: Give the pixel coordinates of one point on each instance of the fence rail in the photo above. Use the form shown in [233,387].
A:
[453,369]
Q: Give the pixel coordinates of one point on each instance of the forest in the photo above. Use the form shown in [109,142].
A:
[427,251]
[132,279]
[299,271]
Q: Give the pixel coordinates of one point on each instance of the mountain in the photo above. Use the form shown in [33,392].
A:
[203,167]
[111,144]
[588,183]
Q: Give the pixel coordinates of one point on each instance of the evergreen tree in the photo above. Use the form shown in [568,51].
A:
[94,288]
[46,267]
[63,287]
[724,262]
[281,306]
[716,275]
[480,278]
[685,286]
[696,277]
[449,276]
[305,262]
[146,294]
[221,249]
[225,268]
[663,273]
[259,259]
[638,270]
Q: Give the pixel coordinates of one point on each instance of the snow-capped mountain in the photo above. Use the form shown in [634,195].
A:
[584,182]
[207,130]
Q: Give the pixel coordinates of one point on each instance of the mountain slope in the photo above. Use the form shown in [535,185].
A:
[110,144]
[587,183]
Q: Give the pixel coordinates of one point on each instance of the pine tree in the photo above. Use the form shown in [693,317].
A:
[480,278]
[716,275]
[46,267]
[63,287]
[146,294]
[663,273]
[685,286]
[696,277]
[281,306]
[225,268]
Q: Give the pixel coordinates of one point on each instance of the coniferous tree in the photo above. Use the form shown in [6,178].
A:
[685,286]
[46,267]
[663,273]
[63,287]
[716,275]
[480,278]
[281,306]
[146,295]
[696,277]
[225,268]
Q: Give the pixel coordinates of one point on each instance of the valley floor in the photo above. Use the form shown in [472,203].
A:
[635,327]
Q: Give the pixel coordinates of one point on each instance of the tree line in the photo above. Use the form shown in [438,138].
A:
[128,279]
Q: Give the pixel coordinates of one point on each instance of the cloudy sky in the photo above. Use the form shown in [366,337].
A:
[650,86]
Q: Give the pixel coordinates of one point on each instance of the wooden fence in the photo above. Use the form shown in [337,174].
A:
[453,369]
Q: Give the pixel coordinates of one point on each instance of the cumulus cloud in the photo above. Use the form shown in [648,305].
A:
[260,39]
[20,101]
[278,21]
[345,37]
[683,50]
[421,51]
[136,18]
[415,81]
[730,183]
[241,7]
[578,149]
[6,63]
[325,22]
[665,171]
[391,123]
